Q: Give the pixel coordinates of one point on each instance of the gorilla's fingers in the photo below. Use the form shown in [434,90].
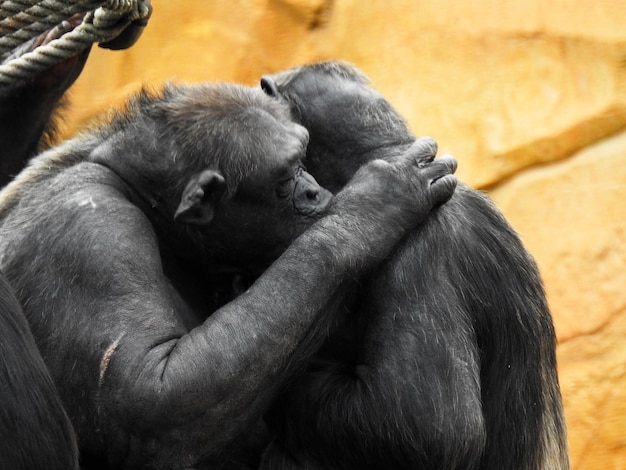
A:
[131,33]
[65,27]
[423,150]
[446,163]
[443,188]
[442,179]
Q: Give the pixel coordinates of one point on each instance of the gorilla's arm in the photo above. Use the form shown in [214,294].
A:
[166,392]
[27,108]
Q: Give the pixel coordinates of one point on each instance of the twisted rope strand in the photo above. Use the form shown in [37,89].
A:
[99,25]
[19,24]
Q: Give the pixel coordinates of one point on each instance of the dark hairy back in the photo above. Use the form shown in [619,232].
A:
[454,362]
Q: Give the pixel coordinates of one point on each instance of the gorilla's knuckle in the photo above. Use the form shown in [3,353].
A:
[450,161]
[424,149]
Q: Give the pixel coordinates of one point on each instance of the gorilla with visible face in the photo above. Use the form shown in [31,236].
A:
[116,241]
[448,358]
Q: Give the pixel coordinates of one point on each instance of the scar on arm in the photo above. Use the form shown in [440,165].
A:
[106,358]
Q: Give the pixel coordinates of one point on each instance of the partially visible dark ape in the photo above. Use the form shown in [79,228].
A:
[114,239]
[35,432]
[449,361]
[26,110]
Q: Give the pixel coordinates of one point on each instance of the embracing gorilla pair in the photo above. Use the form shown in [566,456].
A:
[123,243]
[112,241]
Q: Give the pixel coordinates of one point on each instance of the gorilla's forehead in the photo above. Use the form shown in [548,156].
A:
[281,147]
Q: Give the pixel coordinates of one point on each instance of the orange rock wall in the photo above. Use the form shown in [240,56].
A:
[529,95]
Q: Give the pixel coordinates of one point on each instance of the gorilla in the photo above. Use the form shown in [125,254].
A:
[448,358]
[35,431]
[116,241]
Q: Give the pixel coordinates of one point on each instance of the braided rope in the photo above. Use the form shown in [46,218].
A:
[21,22]
[99,25]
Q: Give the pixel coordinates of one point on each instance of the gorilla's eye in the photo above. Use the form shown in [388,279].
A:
[284,188]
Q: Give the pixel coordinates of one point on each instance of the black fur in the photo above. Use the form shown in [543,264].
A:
[449,361]
[35,432]
[114,241]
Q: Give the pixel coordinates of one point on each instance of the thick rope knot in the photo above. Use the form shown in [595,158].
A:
[23,20]
[115,10]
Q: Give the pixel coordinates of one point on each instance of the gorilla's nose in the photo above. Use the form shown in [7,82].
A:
[310,196]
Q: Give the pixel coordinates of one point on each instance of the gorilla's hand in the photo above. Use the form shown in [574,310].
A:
[404,190]
[438,173]
[131,33]
[386,200]
[54,81]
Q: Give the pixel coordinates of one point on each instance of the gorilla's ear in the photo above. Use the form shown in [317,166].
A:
[268,85]
[197,204]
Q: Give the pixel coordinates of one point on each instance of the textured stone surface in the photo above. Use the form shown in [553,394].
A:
[529,95]
[571,216]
